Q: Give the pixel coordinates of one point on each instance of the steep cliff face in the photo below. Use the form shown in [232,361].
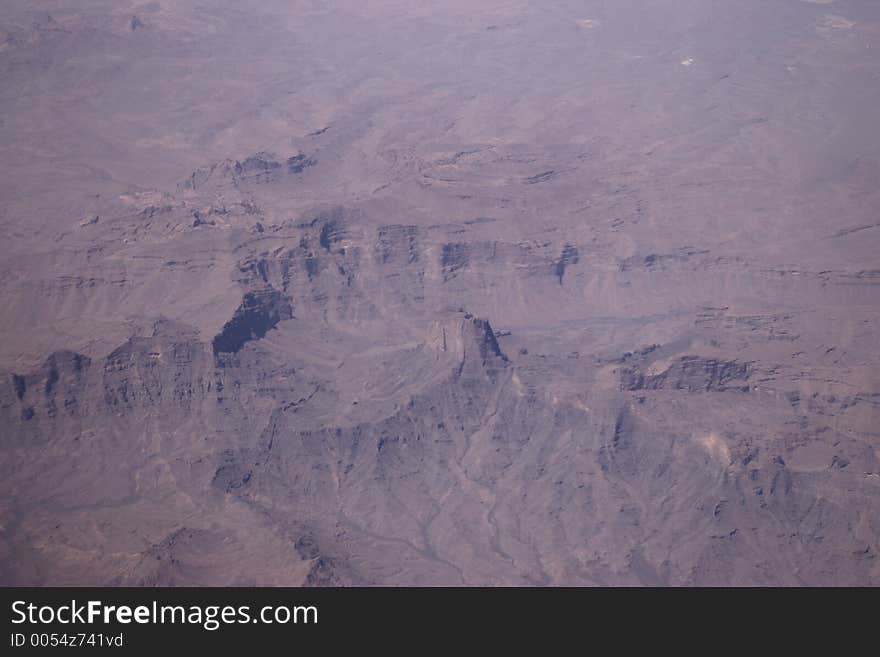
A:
[691,373]
[468,340]
[259,312]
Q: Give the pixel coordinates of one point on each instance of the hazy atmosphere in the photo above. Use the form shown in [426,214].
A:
[477,292]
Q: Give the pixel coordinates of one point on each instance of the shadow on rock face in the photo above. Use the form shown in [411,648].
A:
[259,312]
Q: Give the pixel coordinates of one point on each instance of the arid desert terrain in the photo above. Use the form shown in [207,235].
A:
[484,292]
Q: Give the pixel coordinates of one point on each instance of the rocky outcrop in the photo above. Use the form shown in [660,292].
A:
[569,256]
[55,388]
[398,245]
[691,373]
[232,472]
[299,163]
[259,168]
[151,371]
[168,370]
[333,228]
[468,339]
[324,570]
[453,257]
